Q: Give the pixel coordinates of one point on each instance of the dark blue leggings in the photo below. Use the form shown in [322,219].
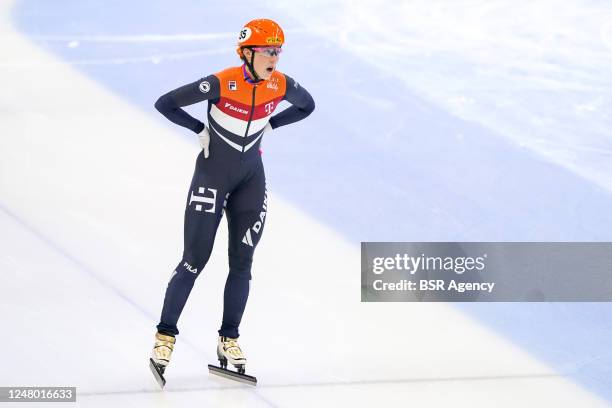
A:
[238,189]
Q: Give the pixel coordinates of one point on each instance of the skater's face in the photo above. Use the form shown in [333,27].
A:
[265,60]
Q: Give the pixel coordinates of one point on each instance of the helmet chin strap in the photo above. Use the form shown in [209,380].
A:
[250,64]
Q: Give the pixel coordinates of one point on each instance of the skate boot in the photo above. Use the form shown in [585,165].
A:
[228,350]
[160,356]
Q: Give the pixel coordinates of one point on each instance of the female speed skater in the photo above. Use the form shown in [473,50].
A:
[229,177]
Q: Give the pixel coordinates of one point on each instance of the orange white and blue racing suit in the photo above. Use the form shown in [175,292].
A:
[231,179]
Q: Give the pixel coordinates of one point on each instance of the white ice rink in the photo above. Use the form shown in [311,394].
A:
[91,226]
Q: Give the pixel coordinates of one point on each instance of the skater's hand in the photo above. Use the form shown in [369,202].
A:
[204,137]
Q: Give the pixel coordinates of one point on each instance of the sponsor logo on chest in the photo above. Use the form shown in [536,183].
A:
[269,107]
[236,109]
[272,83]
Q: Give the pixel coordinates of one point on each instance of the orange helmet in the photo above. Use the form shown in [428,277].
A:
[260,32]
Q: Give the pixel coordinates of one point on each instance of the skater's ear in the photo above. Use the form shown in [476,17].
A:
[247,53]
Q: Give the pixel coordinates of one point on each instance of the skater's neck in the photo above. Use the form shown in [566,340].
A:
[248,76]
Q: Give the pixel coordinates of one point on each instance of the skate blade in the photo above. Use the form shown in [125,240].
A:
[232,375]
[159,377]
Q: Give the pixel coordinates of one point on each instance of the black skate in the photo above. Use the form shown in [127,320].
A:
[160,356]
[238,375]
[158,372]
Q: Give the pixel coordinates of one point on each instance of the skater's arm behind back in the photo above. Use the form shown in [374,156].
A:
[170,104]
[302,105]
